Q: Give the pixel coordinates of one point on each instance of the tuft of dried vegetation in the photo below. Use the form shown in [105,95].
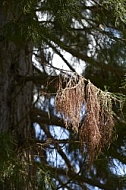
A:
[69,101]
[96,129]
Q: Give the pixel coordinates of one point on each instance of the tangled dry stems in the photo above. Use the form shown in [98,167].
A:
[69,101]
[96,129]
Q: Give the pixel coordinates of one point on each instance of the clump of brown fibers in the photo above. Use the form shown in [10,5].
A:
[95,132]
[69,101]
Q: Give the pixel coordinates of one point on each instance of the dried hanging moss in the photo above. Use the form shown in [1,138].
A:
[69,101]
[95,132]
[97,128]
[89,131]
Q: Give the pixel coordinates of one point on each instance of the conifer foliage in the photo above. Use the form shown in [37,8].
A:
[57,125]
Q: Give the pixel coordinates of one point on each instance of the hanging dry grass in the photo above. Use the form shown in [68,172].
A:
[69,101]
[96,128]
[89,131]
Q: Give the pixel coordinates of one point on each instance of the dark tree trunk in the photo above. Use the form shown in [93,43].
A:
[16,96]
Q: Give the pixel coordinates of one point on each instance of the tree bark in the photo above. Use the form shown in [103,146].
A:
[15,99]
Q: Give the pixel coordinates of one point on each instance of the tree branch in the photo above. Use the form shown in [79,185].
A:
[62,57]
[59,150]
[118,71]
[45,118]
[81,179]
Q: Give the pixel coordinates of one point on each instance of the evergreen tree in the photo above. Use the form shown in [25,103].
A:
[62,129]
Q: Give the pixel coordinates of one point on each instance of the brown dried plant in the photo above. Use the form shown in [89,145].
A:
[89,131]
[96,129]
[69,101]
